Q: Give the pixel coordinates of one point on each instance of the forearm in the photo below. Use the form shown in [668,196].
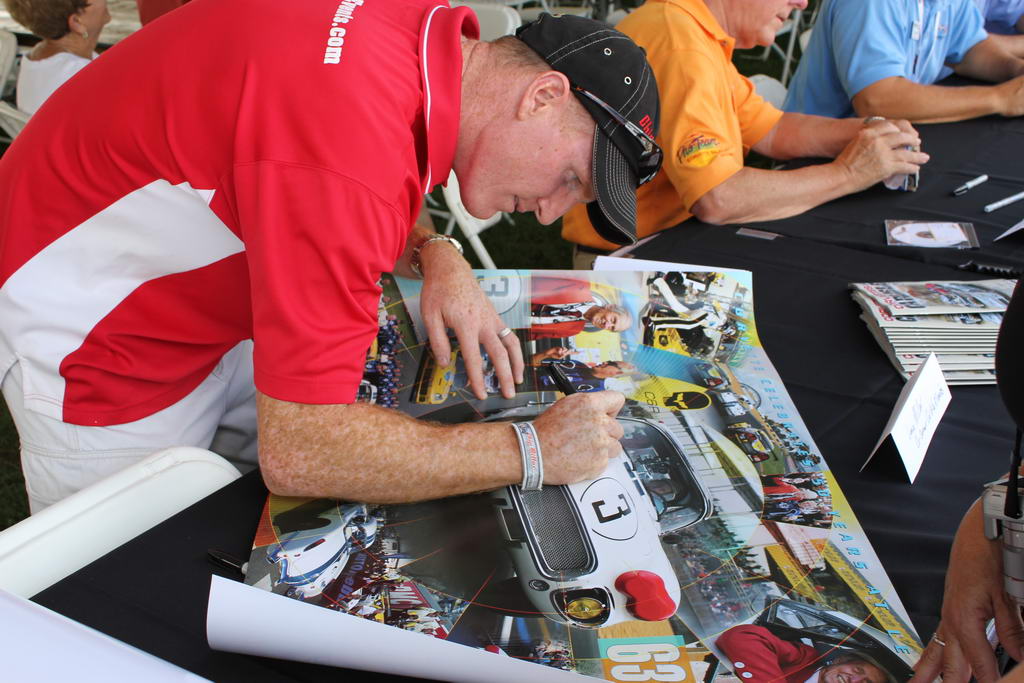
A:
[758,195]
[990,60]
[1013,45]
[898,98]
[372,454]
[803,135]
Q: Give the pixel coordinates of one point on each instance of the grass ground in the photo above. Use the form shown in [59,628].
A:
[525,245]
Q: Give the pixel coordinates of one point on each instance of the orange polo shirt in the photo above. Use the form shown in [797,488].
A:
[710,114]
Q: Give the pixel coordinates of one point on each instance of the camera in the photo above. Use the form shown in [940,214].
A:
[1010,530]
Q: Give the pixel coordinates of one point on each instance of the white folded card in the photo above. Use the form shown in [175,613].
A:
[918,411]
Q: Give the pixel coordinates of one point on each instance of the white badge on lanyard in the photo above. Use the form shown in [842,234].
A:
[919,24]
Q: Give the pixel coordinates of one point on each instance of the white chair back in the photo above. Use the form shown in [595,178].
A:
[805,38]
[616,16]
[770,89]
[57,541]
[8,53]
[12,120]
[531,13]
[495,20]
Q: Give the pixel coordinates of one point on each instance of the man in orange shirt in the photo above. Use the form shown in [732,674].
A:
[711,118]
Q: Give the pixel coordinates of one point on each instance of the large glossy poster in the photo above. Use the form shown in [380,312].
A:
[716,546]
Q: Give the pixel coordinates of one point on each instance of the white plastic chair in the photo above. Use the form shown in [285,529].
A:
[8,53]
[530,13]
[470,225]
[792,27]
[770,89]
[804,39]
[496,20]
[57,541]
[12,120]
[616,16]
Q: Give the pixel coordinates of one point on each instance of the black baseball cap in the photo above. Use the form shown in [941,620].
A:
[608,71]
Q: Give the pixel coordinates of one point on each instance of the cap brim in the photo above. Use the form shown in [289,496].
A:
[613,213]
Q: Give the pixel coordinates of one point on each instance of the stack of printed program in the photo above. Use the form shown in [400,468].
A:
[956,320]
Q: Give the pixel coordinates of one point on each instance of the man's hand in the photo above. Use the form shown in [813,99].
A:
[879,151]
[452,298]
[578,435]
[1011,97]
[973,595]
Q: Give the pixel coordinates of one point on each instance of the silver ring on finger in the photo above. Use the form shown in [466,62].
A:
[504,332]
[940,641]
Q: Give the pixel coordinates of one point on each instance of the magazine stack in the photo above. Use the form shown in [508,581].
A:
[956,320]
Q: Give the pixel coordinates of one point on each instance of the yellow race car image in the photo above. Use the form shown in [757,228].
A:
[433,383]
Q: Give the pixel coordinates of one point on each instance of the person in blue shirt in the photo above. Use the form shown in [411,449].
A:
[1002,17]
[882,57]
[1004,21]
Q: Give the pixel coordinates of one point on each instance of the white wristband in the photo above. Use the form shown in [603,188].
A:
[529,450]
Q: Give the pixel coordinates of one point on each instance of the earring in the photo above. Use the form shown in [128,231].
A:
[85,35]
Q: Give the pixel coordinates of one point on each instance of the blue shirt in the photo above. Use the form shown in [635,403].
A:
[859,42]
[1001,15]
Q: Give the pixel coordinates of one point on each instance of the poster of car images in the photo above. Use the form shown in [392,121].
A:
[715,542]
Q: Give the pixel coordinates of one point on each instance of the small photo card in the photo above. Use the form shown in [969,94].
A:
[930,234]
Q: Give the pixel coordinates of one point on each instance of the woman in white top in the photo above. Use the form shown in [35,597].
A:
[69,30]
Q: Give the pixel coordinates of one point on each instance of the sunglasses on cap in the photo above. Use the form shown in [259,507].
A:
[650,158]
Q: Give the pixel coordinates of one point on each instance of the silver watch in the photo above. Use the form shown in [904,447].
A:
[414,260]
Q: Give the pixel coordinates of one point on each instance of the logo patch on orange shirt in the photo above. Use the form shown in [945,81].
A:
[699,150]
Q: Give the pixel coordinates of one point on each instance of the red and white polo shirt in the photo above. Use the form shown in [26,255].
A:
[236,169]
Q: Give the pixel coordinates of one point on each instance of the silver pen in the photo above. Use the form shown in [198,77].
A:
[973,182]
[1004,202]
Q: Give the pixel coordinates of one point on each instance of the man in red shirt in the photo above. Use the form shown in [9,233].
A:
[175,251]
[562,307]
[759,656]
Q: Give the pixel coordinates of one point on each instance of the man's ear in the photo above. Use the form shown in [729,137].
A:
[548,90]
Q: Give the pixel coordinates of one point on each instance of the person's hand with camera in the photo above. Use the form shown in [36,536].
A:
[973,595]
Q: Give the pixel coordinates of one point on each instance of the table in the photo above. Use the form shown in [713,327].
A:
[846,397]
[151,592]
[959,151]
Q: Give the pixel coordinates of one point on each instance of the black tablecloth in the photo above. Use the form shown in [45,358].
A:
[152,592]
[845,389]
[959,152]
